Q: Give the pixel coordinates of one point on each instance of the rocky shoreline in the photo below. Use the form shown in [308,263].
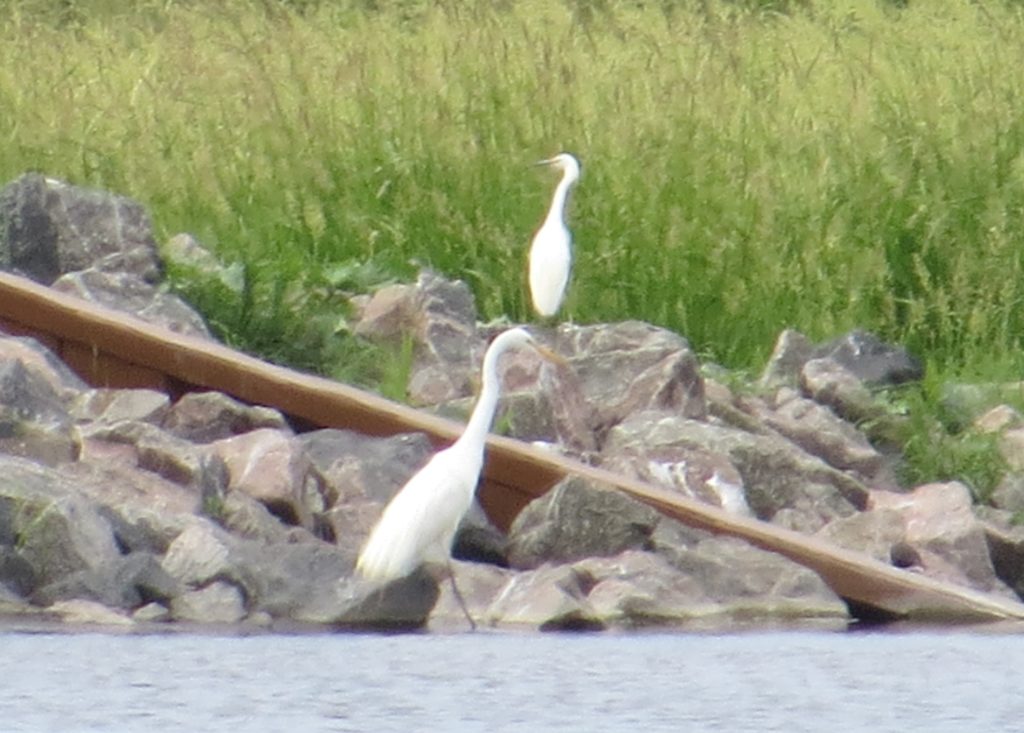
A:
[127,509]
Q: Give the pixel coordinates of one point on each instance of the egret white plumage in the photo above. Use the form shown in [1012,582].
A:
[419,523]
[551,251]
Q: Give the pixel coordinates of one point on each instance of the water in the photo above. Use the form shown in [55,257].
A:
[782,681]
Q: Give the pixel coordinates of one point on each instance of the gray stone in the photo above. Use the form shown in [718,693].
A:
[48,228]
[111,406]
[359,466]
[624,368]
[219,602]
[44,364]
[203,417]
[549,598]
[127,292]
[33,420]
[447,346]
[871,360]
[478,584]
[577,519]
[791,352]
[775,474]
[83,612]
[829,383]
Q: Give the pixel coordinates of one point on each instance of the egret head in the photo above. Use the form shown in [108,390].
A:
[565,162]
[519,338]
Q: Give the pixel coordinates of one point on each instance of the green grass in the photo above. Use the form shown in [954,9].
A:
[748,166]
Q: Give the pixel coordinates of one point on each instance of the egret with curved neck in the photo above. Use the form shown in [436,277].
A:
[420,522]
[551,251]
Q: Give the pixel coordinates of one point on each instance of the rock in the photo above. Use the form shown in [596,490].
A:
[57,533]
[111,406]
[219,602]
[725,581]
[1009,493]
[743,581]
[48,228]
[184,249]
[818,431]
[273,468]
[775,474]
[628,367]
[155,450]
[998,419]
[829,383]
[478,540]
[875,532]
[792,350]
[80,612]
[1005,540]
[871,360]
[403,604]
[479,586]
[549,598]
[44,364]
[389,315]
[127,292]
[151,613]
[359,466]
[685,467]
[33,420]
[942,528]
[448,349]
[16,573]
[578,519]
[204,417]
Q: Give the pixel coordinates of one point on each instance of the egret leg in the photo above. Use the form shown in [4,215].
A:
[458,596]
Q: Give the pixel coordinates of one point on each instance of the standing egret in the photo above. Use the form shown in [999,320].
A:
[419,523]
[551,252]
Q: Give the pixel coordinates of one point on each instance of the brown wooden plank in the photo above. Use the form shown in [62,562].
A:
[194,363]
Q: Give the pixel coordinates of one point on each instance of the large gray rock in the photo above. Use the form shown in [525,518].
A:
[872,360]
[776,475]
[720,581]
[34,422]
[577,519]
[48,228]
[948,539]
[127,292]
[447,346]
[624,368]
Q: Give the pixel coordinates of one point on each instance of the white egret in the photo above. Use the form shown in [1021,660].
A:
[419,523]
[551,251]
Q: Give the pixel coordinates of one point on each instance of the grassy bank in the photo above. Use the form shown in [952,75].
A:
[848,163]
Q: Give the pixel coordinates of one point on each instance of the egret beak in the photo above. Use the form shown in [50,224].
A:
[546,161]
[551,356]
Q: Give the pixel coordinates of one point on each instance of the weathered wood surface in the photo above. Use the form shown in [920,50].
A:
[112,349]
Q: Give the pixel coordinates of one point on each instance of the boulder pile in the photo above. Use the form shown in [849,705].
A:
[127,508]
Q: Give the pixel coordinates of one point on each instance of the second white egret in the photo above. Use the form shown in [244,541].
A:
[420,522]
[551,251]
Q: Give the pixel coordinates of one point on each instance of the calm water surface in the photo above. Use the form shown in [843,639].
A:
[782,681]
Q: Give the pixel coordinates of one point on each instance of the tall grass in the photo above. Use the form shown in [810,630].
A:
[844,163]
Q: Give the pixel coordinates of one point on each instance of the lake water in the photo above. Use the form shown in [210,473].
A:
[827,682]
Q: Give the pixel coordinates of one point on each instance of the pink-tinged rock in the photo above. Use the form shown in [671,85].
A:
[791,352]
[827,382]
[389,314]
[999,418]
[272,467]
[942,528]
[818,431]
